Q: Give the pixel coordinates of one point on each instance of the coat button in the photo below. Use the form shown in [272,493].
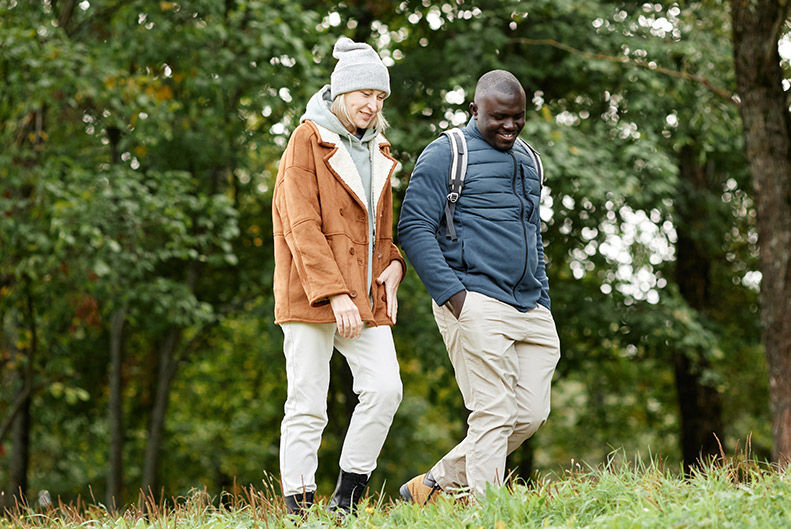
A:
[351,251]
[379,255]
[384,298]
[359,261]
[353,294]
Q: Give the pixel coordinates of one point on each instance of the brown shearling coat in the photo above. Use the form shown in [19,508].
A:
[320,224]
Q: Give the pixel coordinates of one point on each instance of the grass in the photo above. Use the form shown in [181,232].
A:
[730,492]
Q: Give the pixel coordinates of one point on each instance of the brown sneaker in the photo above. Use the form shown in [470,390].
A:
[421,489]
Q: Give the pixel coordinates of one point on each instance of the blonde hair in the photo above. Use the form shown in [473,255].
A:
[338,107]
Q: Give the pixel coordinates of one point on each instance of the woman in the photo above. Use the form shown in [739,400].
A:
[337,271]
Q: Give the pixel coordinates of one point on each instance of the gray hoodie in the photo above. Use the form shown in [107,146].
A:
[318,111]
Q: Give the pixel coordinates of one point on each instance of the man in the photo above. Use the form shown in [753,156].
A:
[489,287]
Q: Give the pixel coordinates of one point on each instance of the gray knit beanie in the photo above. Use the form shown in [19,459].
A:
[359,68]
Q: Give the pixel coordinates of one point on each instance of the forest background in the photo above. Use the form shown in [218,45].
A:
[140,141]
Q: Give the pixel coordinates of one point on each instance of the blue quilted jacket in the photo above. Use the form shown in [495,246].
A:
[499,252]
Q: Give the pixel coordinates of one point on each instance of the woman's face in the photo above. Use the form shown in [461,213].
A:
[362,106]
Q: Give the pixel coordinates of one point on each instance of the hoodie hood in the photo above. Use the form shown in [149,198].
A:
[318,111]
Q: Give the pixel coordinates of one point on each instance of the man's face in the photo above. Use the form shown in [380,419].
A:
[500,118]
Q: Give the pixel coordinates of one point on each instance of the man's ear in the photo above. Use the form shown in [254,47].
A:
[474,110]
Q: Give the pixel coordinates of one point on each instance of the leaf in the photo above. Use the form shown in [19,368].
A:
[547,113]
[100,268]
[163,93]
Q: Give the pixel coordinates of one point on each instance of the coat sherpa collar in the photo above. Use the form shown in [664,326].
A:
[344,168]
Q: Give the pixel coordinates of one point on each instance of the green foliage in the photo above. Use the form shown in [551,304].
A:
[140,144]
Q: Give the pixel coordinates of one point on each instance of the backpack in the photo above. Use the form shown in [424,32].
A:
[458,170]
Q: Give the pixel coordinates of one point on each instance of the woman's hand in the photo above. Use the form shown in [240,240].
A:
[347,317]
[391,278]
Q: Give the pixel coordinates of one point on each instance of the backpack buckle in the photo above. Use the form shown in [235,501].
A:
[453,197]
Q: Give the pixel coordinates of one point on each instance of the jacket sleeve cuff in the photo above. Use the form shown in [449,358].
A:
[447,294]
[322,298]
[543,299]
[395,255]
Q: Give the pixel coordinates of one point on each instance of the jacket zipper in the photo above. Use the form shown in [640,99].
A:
[521,217]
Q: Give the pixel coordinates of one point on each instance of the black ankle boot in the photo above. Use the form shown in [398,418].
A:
[348,492]
[299,503]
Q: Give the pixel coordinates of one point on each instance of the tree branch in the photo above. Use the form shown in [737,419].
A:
[65,14]
[101,17]
[771,49]
[195,342]
[730,98]
[26,392]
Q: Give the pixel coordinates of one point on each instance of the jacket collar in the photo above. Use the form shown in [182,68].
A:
[342,165]
[472,129]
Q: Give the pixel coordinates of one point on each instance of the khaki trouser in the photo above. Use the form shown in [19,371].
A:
[504,361]
[376,381]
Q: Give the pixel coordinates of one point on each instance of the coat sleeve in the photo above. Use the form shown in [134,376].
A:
[421,214]
[395,255]
[298,202]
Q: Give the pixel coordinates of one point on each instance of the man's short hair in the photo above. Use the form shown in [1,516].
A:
[500,81]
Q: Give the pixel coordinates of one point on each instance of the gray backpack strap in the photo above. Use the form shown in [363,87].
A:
[458,169]
[536,157]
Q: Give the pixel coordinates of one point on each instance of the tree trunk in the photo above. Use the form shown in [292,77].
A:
[115,405]
[168,364]
[700,403]
[757,27]
[20,434]
[115,410]
[700,408]
[10,339]
[156,429]
[20,453]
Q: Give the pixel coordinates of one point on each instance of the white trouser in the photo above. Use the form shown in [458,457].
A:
[504,361]
[377,383]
